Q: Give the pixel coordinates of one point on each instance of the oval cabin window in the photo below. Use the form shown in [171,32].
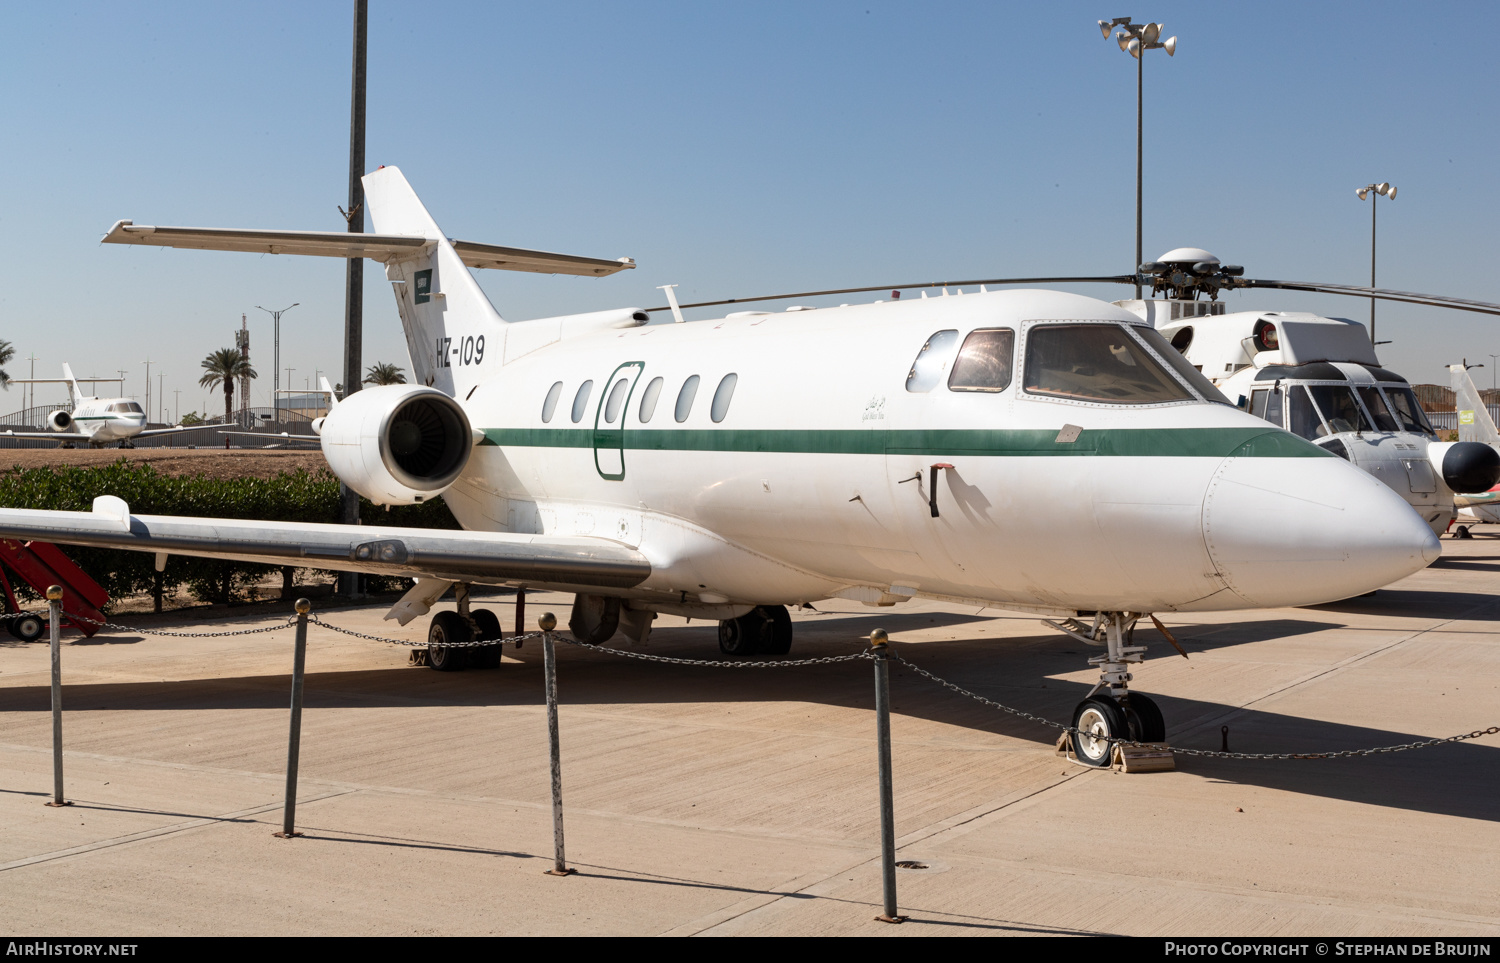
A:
[549,406]
[581,401]
[685,399]
[722,396]
[649,399]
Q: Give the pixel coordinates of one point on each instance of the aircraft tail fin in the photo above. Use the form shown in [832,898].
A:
[449,322]
[1474,421]
[325,388]
[74,394]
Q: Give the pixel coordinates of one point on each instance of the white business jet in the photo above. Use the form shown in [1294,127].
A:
[1025,449]
[97,421]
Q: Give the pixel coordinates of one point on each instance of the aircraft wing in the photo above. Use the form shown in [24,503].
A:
[275,435]
[49,435]
[379,247]
[169,431]
[484,557]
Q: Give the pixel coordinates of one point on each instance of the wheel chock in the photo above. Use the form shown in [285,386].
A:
[1144,759]
[417,657]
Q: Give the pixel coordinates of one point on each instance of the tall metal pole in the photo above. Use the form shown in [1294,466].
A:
[882,653]
[1374,202]
[354,282]
[1140,100]
[294,737]
[547,623]
[54,616]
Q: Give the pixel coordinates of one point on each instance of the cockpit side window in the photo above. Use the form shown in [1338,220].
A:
[1304,418]
[985,361]
[1408,412]
[927,371]
[1273,408]
[1378,410]
[1340,409]
[1097,362]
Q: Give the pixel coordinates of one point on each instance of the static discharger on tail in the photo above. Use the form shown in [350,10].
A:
[1026,449]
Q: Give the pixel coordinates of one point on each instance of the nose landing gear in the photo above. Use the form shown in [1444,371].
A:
[1111,711]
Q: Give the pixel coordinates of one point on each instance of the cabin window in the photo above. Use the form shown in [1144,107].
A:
[1376,405]
[648,400]
[1097,362]
[549,406]
[1304,418]
[984,362]
[616,400]
[722,396]
[1339,408]
[1408,412]
[685,399]
[931,361]
[581,401]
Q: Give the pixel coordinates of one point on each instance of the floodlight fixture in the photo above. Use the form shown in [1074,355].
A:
[1389,190]
[1104,27]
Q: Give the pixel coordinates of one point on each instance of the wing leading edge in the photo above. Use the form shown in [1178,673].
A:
[484,557]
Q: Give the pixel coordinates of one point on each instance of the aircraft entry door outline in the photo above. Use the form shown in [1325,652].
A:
[609,437]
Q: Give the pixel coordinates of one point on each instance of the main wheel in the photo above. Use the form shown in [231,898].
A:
[447,627]
[778,639]
[741,636]
[27,628]
[486,656]
[1146,722]
[1098,720]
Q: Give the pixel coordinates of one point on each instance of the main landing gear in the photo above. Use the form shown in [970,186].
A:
[1111,711]
[462,627]
[764,630]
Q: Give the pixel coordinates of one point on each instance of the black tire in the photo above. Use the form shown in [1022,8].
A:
[1145,718]
[742,636]
[447,627]
[1103,718]
[488,656]
[28,628]
[778,639]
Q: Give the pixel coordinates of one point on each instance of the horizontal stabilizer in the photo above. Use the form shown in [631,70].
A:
[378,247]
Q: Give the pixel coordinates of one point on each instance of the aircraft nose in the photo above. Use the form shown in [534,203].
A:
[1298,531]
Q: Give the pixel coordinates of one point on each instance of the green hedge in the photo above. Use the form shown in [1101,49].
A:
[299,496]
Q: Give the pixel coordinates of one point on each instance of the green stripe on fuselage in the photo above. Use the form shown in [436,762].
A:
[1005,442]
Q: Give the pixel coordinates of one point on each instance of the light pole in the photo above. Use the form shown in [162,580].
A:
[1135,39]
[1389,190]
[276,358]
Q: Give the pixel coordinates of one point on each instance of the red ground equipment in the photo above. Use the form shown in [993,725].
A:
[42,564]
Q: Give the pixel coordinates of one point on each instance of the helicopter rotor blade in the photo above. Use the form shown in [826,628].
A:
[1109,279]
[1384,294]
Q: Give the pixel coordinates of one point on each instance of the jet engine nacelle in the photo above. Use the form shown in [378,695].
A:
[397,444]
[1466,467]
[60,421]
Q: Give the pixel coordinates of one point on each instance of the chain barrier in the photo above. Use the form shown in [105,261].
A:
[863,655]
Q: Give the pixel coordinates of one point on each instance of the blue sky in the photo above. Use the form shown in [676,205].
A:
[733,150]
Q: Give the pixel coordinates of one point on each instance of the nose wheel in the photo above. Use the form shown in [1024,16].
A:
[1112,712]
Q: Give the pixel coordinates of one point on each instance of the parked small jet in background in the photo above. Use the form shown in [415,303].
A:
[97,421]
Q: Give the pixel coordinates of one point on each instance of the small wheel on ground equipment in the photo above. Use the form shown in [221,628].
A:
[1098,720]
[447,627]
[486,656]
[1145,718]
[28,628]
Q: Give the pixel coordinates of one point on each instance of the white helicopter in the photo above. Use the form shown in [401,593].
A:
[97,421]
[1319,378]
[1026,449]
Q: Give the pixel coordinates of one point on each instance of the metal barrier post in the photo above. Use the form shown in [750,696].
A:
[54,616]
[881,651]
[548,622]
[294,740]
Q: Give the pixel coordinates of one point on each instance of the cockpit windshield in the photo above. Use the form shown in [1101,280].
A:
[1408,412]
[1096,362]
[1340,411]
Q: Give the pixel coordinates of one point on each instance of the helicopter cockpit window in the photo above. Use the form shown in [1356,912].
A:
[931,361]
[984,362]
[1408,412]
[1340,410]
[1376,405]
[1097,362]
[1304,418]
[1273,408]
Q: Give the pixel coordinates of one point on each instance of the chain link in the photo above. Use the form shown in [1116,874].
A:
[863,655]
[717,663]
[1208,753]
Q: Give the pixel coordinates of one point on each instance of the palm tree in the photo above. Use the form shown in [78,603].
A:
[6,353]
[381,373]
[222,368]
